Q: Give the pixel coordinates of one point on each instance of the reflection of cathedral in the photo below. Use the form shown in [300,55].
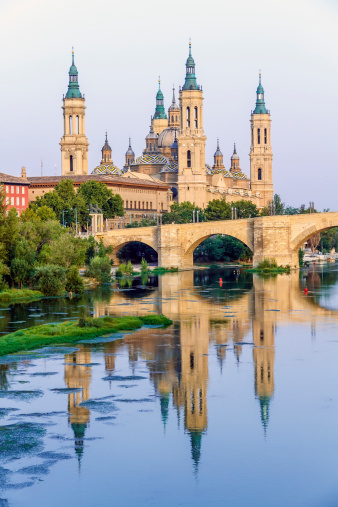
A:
[78,376]
[174,151]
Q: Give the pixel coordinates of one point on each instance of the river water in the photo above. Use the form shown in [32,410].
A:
[234,404]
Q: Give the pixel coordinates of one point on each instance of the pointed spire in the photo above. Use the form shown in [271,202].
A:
[218,152]
[235,152]
[174,100]
[160,111]
[73,91]
[260,104]
[190,78]
[130,150]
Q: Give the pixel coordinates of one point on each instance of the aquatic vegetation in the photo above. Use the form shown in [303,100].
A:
[20,439]
[160,271]
[269,266]
[74,331]
[17,295]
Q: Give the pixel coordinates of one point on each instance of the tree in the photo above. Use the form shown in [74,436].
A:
[36,213]
[74,282]
[66,251]
[100,269]
[97,193]
[50,279]
[245,209]
[218,209]
[222,248]
[182,214]
[279,206]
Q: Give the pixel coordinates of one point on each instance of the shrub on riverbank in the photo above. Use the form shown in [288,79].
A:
[50,279]
[267,266]
[71,332]
[100,269]
[17,295]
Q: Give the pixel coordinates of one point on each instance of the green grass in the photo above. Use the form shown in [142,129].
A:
[159,270]
[269,266]
[71,332]
[13,295]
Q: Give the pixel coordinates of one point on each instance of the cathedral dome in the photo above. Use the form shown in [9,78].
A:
[167,137]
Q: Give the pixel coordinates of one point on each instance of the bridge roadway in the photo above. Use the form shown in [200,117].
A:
[277,237]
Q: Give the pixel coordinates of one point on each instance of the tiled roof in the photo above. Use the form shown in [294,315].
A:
[104,178]
[7,178]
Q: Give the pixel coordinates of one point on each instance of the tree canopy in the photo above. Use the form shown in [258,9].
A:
[183,214]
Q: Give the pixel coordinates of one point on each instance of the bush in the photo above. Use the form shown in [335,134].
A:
[144,265]
[268,264]
[126,269]
[118,273]
[74,282]
[100,269]
[50,279]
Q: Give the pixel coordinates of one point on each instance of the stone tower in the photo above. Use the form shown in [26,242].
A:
[218,159]
[106,152]
[260,151]
[74,144]
[174,113]
[130,156]
[191,141]
[235,162]
[160,120]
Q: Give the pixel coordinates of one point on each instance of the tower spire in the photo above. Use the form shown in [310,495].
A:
[260,103]
[160,111]
[190,77]
[73,91]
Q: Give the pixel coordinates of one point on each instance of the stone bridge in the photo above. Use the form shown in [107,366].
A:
[277,237]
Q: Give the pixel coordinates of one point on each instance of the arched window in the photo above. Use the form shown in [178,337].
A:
[196,117]
[70,124]
[176,117]
[77,125]
[265,136]
[217,162]
[188,117]
[188,158]
[150,146]
[126,204]
[259,173]
[259,136]
[172,119]
[71,163]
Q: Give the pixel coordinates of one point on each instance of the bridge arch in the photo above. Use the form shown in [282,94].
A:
[300,233]
[241,230]
[119,238]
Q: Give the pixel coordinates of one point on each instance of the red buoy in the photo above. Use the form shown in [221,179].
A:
[306,290]
[220,282]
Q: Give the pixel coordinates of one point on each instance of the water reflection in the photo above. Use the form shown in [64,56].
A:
[240,318]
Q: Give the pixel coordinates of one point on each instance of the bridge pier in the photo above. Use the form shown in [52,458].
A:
[272,241]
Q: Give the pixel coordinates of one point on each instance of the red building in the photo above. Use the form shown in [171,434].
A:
[16,192]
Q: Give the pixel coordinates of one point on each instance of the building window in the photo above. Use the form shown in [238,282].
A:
[142,204]
[77,125]
[161,206]
[150,146]
[188,117]
[147,204]
[196,118]
[12,189]
[217,162]
[71,163]
[12,201]
[172,119]
[18,201]
[70,124]
[7,200]
[176,117]
[131,204]
[151,205]
[139,205]
[126,204]
[18,190]
[22,190]
[259,173]
[258,136]
[188,158]
[7,189]
[265,136]
[135,205]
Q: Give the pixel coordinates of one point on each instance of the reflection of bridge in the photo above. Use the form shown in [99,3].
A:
[276,237]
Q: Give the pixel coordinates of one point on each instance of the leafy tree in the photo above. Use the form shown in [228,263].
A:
[66,251]
[218,209]
[222,248]
[36,213]
[97,193]
[182,213]
[279,206]
[245,209]
[4,271]
[74,282]
[145,222]
[9,233]
[50,279]
[100,269]
[3,205]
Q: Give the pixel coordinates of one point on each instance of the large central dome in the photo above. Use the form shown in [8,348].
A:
[167,137]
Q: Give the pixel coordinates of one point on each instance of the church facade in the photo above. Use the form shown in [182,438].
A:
[174,153]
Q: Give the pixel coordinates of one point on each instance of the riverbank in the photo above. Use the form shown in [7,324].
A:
[72,332]
[17,295]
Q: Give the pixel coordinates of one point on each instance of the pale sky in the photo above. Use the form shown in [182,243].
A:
[122,47]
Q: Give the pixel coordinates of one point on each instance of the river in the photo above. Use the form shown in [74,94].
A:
[234,404]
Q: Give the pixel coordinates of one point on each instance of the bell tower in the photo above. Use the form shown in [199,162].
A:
[160,120]
[74,144]
[191,141]
[260,151]
[106,152]
[218,159]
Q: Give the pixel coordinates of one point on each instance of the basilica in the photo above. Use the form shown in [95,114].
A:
[174,153]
